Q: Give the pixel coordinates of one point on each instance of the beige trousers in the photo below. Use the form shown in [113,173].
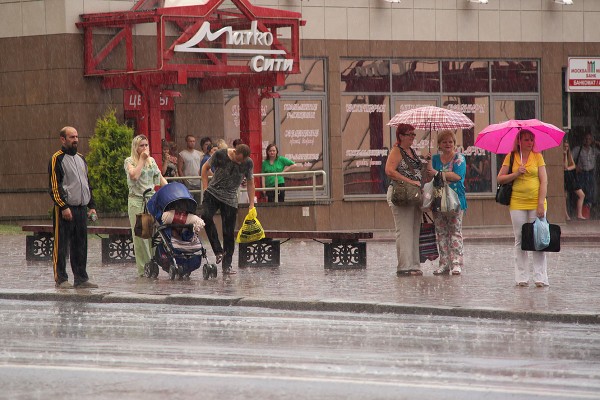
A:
[408,225]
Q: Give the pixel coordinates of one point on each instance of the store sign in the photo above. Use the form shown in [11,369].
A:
[260,62]
[132,101]
[583,74]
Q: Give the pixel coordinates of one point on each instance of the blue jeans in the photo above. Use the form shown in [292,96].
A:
[228,219]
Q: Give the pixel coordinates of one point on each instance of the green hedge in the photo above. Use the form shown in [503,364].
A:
[109,147]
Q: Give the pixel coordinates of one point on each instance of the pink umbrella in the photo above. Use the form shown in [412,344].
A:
[500,138]
[432,118]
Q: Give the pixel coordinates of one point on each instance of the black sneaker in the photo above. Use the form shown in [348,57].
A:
[228,271]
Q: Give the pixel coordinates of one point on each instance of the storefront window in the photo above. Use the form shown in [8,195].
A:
[465,76]
[311,80]
[478,178]
[515,76]
[295,121]
[231,112]
[365,76]
[415,76]
[365,143]
[301,139]
[460,85]
[506,109]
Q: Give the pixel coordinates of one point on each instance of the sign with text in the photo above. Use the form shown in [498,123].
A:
[583,74]
[254,42]
[132,101]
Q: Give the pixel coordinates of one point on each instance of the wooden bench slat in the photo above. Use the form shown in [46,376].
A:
[333,235]
[94,230]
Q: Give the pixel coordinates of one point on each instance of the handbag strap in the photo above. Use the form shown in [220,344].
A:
[412,170]
[427,218]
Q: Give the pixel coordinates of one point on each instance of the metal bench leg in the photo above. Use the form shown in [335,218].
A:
[117,249]
[39,247]
[344,254]
[264,253]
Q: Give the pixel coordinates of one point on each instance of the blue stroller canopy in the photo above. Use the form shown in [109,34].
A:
[173,196]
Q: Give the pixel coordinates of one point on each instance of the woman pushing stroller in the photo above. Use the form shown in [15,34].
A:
[142,174]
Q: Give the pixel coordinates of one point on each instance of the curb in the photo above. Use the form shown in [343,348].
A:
[329,305]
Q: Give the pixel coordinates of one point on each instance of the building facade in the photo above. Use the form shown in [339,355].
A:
[362,62]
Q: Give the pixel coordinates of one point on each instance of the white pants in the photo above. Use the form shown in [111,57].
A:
[522,270]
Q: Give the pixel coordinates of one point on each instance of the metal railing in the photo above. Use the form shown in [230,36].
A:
[314,187]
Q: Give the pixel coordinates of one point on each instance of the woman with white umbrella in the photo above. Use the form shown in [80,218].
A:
[528,201]
[403,164]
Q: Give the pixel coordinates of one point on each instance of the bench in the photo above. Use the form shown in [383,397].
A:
[116,248]
[346,250]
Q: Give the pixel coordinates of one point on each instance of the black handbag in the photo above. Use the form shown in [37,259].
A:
[504,192]
[527,242]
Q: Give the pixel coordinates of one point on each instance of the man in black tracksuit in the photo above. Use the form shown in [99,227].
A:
[72,196]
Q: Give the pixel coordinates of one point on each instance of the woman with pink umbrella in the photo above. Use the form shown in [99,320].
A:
[528,201]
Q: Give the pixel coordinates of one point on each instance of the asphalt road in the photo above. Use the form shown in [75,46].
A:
[70,350]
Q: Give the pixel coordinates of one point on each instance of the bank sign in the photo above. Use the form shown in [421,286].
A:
[253,43]
[583,74]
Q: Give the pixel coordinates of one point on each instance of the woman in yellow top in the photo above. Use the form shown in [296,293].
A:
[528,201]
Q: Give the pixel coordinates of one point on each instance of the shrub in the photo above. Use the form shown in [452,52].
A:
[109,147]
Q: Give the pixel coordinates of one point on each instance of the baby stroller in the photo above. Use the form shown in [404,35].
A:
[179,250]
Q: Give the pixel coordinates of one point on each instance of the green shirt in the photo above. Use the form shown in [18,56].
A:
[278,165]
[149,177]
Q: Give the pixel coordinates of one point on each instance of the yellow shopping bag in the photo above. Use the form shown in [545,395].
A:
[251,229]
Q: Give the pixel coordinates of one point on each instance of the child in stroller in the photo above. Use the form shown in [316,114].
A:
[179,250]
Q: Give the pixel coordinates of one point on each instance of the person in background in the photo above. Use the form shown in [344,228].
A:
[188,164]
[585,162]
[528,201]
[448,226]
[231,166]
[73,204]
[204,143]
[275,163]
[571,184]
[403,164]
[169,160]
[142,173]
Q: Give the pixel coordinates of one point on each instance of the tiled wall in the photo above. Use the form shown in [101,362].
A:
[422,20]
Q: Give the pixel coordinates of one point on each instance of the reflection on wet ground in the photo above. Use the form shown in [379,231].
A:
[487,279]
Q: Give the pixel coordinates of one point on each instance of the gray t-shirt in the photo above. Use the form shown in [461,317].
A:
[191,167]
[228,176]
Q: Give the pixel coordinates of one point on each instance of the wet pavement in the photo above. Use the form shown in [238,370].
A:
[485,289]
[77,350]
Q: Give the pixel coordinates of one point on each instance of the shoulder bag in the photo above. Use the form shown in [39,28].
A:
[144,222]
[445,199]
[450,202]
[403,193]
[504,192]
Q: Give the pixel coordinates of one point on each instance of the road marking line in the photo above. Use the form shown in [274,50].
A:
[554,392]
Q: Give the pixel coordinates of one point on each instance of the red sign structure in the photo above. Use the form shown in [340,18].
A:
[132,101]
[227,47]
